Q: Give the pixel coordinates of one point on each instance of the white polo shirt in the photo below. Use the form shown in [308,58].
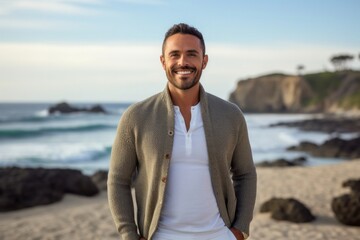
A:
[190,210]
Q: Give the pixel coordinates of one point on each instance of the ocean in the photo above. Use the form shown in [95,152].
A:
[30,137]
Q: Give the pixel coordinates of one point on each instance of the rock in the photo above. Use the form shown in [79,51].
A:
[72,181]
[347,206]
[66,108]
[354,185]
[333,148]
[328,125]
[100,179]
[27,187]
[62,108]
[97,109]
[283,162]
[347,209]
[304,146]
[287,209]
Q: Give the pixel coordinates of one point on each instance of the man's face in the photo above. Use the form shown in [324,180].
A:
[183,60]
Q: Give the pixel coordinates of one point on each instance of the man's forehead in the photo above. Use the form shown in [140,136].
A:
[182,42]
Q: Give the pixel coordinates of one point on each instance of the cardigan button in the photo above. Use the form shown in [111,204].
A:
[170,133]
[164,179]
[167,156]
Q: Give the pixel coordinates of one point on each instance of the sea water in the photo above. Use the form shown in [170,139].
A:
[31,137]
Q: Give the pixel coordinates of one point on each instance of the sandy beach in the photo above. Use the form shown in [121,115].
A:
[89,218]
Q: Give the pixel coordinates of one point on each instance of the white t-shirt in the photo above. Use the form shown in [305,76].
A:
[190,210]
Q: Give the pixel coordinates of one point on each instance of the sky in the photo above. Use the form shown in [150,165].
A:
[108,50]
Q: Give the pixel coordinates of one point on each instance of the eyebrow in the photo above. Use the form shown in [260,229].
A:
[192,51]
[188,51]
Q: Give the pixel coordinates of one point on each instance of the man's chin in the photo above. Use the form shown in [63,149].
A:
[186,86]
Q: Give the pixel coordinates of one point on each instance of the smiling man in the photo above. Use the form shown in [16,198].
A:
[187,155]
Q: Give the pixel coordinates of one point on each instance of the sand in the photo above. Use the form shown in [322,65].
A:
[76,218]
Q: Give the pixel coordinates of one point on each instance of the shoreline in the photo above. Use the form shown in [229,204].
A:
[77,217]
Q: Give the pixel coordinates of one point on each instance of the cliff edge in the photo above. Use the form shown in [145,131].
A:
[324,92]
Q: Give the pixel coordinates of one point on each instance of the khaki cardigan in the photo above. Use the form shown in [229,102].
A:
[143,146]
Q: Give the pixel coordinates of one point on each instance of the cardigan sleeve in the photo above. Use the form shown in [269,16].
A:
[244,179]
[122,165]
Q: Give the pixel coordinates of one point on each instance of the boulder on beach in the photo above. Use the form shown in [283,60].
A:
[100,179]
[334,148]
[353,184]
[328,125]
[347,206]
[66,108]
[28,187]
[287,209]
[283,162]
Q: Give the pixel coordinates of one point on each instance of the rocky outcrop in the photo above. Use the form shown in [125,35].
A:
[272,93]
[328,125]
[287,209]
[333,148]
[329,92]
[100,179]
[28,187]
[67,108]
[283,162]
[347,207]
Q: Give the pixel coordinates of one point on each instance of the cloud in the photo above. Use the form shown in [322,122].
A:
[257,59]
[143,2]
[12,12]
[128,71]
[73,7]
[79,56]
[253,59]
[33,24]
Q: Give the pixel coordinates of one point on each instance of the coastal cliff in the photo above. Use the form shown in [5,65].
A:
[324,92]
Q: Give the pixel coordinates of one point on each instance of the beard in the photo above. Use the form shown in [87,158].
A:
[183,82]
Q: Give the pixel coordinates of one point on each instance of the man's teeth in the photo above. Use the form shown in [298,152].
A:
[183,72]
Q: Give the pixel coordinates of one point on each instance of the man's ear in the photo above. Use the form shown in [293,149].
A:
[162,60]
[205,61]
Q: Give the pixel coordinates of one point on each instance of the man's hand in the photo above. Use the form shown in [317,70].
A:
[237,233]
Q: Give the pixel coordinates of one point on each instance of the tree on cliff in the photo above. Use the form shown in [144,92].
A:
[340,61]
[300,68]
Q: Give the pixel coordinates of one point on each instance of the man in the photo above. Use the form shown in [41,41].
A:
[194,177]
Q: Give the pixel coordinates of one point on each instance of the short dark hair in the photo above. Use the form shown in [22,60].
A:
[184,28]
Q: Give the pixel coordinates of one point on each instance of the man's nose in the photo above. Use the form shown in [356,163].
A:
[183,61]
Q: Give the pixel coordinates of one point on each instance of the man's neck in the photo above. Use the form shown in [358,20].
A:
[185,98]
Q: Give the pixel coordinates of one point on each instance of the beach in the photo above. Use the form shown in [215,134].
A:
[89,218]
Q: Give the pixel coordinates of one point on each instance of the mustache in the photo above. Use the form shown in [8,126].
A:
[183,68]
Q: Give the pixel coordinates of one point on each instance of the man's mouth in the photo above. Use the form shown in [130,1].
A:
[183,71]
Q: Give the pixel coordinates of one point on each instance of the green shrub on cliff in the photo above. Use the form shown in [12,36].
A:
[323,84]
[351,101]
